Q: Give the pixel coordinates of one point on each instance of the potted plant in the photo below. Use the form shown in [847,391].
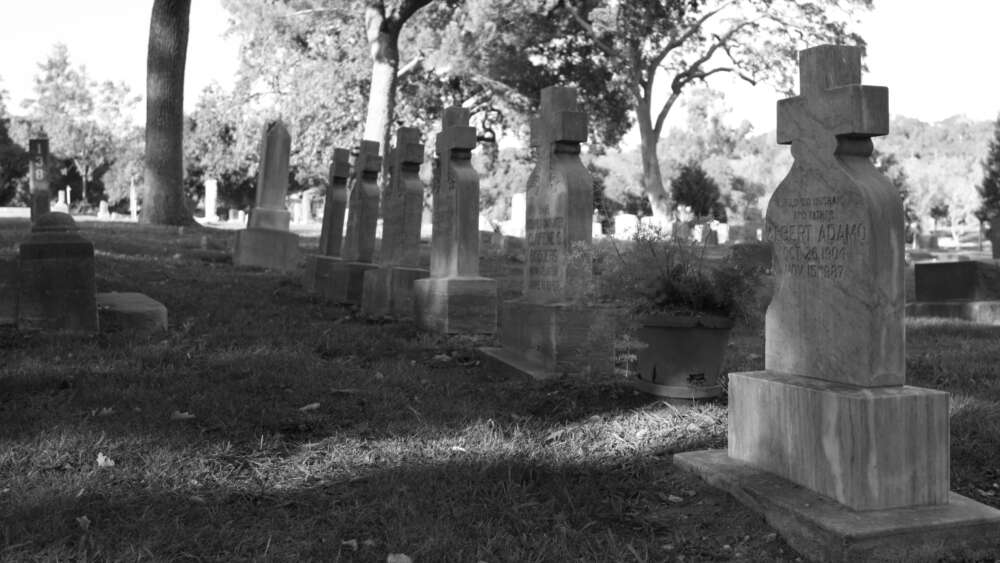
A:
[682,300]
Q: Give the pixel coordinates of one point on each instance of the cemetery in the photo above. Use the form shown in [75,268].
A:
[300,335]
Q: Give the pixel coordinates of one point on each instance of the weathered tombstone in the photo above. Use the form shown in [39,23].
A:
[267,242]
[518,210]
[555,329]
[41,197]
[103,212]
[965,289]
[211,199]
[831,411]
[56,281]
[307,206]
[626,226]
[62,202]
[332,235]
[389,289]
[596,230]
[345,278]
[455,298]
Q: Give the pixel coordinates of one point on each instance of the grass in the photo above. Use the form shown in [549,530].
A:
[267,426]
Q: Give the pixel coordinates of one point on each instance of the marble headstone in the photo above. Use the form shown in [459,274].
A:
[41,197]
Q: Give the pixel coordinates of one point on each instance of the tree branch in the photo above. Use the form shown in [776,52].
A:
[586,25]
[407,9]
[411,66]
[684,37]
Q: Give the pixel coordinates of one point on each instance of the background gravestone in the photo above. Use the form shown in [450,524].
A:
[968,290]
[56,281]
[332,234]
[389,289]
[62,202]
[267,242]
[555,328]
[41,197]
[455,298]
[211,200]
[831,412]
[345,280]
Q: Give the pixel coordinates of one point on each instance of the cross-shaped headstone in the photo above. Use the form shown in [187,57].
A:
[455,241]
[332,235]
[402,206]
[559,201]
[362,221]
[836,224]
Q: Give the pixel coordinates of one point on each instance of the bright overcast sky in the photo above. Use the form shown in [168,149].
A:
[936,59]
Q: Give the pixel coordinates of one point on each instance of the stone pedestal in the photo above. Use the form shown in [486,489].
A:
[135,313]
[267,248]
[552,340]
[56,285]
[867,448]
[456,304]
[339,281]
[388,291]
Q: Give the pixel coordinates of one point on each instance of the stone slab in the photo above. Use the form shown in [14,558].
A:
[342,282]
[983,312]
[136,313]
[56,287]
[502,360]
[267,248]
[560,338]
[388,291]
[456,305]
[867,448]
[823,530]
[976,280]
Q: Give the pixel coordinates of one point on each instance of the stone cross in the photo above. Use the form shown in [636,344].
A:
[455,244]
[332,234]
[362,221]
[559,201]
[41,198]
[272,181]
[403,204]
[836,224]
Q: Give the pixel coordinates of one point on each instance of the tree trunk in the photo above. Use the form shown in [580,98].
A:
[383,41]
[652,179]
[164,203]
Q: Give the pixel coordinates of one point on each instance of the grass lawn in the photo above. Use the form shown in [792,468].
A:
[267,426]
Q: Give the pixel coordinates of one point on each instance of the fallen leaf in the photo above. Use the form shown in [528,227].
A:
[106,411]
[675,498]
[178,415]
[642,433]
[693,427]
[379,376]
[198,499]
[353,544]
[368,543]
[309,407]
[398,558]
[459,449]
[83,522]
[104,461]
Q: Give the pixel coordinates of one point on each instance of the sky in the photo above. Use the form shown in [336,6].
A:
[937,60]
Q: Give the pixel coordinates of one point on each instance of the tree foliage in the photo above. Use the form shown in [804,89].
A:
[695,189]
[989,187]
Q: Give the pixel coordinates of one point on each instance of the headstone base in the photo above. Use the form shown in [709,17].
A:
[983,312]
[868,448]
[136,313]
[823,530]
[317,267]
[341,282]
[8,292]
[56,283]
[389,291]
[267,248]
[452,305]
[551,340]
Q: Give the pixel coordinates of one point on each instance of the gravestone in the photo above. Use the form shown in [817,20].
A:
[8,291]
[62,202]
[966,289]
[555,329]
[131,312]
[389,288]
[267,242]
[307,206]
[626,226]
[831,412]
[346,278]
[211,200]
[56,282]
[103,212]
[41,197]
[331,237]
[455,298]
[518,210]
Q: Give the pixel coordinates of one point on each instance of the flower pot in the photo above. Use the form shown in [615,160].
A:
[683,355]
